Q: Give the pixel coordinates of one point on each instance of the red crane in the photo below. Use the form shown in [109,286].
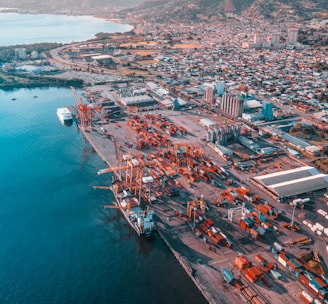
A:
[83,111]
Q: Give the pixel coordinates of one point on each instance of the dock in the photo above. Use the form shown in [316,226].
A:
[198,200]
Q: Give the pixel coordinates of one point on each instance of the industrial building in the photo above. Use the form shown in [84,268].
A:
[223,135]
[232,105]
[292,36]
[293,182]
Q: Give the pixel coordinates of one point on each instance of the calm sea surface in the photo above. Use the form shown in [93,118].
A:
[58,244]
[31,28]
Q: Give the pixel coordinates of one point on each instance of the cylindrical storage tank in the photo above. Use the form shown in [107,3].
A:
[217,134]
[209,137]
[213,136]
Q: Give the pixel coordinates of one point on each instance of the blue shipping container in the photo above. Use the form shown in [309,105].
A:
[227,275]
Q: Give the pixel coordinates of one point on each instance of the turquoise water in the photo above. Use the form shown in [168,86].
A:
[58,244]
[32,28]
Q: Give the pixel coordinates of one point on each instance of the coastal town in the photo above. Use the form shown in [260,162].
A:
[220,126]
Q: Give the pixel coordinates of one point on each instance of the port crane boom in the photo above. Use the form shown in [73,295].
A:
[118,207]
[130,165]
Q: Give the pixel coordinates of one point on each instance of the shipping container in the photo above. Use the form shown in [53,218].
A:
[304,279]
[282,260]
[260,230]
[246,260]
[305,296]
[322,283]
[276,274]
[314,286]
[278,246]
[325,231]
[228,276]
[239,263]
[322,212]
[319,227]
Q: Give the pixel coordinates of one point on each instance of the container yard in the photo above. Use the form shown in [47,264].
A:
[233,233]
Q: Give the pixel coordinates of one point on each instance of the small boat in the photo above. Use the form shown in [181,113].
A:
[65,116]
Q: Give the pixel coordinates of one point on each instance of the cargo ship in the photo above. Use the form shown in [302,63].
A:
[65,116]
[140,219]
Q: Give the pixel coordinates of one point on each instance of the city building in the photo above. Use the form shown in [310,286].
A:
[258,39]
[209,95]
[232,105]
[219,88]
[275,38]
[292,36]
[20,53]
[267,110]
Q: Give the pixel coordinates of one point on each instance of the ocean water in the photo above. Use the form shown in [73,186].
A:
[58,243]
[32,28]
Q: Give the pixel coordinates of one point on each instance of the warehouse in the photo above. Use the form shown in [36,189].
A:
[293,182]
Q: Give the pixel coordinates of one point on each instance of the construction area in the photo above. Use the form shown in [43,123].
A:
[231,235]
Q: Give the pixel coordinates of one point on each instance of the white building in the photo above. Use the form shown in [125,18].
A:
[20,53]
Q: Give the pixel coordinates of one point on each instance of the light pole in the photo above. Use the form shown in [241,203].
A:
[194,209]
[294,207]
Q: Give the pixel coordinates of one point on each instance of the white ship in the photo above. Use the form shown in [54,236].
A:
[64,115]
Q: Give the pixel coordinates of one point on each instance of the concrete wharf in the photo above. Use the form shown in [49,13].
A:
[202,265]
[189,251]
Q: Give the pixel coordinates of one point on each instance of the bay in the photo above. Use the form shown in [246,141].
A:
[58,244]
[37,28]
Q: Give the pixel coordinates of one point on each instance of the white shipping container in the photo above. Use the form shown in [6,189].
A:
[277,246]
[310,225]
[320,227]
[312,286]
[325,231]
[282,261]
[319,232]
[307,296]
[326,217]
[264,225]
[305,222]
[322,212]
[314,228]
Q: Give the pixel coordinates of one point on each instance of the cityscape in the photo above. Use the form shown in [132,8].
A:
[213,132]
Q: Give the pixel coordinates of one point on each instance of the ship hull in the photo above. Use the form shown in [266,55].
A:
[137,218]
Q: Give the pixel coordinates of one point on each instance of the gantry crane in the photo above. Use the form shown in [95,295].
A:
[118,207]
[194,205]
[84,111]
[133,173]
